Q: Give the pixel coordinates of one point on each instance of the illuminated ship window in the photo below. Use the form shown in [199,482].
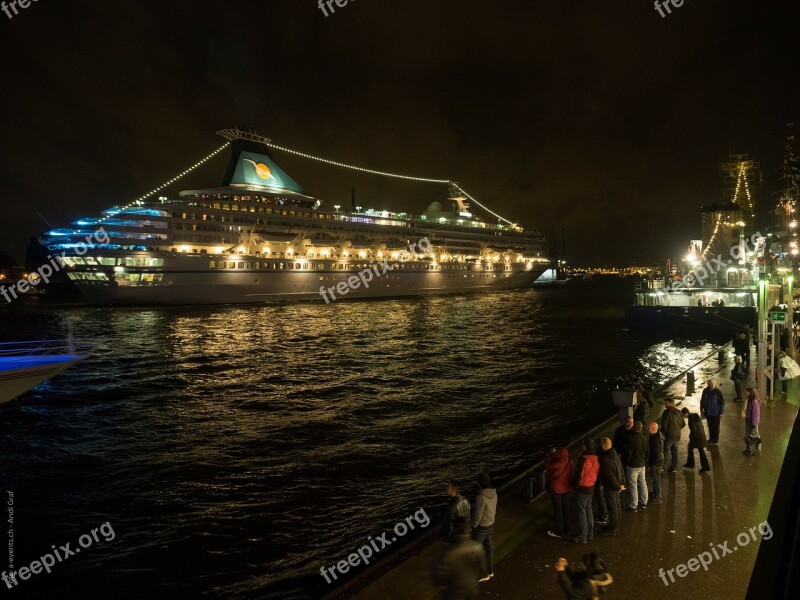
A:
[241,265]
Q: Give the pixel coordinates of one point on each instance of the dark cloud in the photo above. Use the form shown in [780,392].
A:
[598,117]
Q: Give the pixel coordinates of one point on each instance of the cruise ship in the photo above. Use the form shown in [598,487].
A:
[259,237]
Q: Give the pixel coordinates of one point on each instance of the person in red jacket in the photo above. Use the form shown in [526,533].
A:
[558,469]
[583,481]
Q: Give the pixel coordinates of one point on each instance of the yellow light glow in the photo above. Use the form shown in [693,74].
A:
[240,249]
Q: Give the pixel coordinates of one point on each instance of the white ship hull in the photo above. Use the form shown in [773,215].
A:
[273,284]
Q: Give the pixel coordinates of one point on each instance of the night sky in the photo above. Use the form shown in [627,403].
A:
[601,118]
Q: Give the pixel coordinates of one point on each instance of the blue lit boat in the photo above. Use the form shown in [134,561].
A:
[24,365]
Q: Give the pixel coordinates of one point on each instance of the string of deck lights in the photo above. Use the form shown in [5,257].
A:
[318,159]
[385,174]
[353,167]
[173,180]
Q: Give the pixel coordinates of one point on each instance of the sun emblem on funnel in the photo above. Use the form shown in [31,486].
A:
[262,170]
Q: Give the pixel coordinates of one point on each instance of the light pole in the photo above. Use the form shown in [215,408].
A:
[762,337]
[790,315]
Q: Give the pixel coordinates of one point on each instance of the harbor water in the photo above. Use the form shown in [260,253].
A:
[236,449]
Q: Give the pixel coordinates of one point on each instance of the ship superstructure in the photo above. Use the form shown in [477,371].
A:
[260,238]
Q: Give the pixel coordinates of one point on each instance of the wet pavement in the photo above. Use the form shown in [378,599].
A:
[714,516]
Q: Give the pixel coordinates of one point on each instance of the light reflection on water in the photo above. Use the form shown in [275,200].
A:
[235,448]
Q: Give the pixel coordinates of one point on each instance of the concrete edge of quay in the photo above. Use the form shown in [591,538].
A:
[514,488]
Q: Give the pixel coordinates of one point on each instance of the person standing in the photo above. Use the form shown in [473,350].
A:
[749,338]
[741,347]
[642,409]
[697,439]
[483,521]
[752,417]
[638,454]
[584,478]
[558,470]
[738,377]
[621,440]
[457,510]
[613,478]
[672,422]
[712,407]
[789,369]
[460,566]
[655,463]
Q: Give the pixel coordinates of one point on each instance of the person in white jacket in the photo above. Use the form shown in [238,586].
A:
[483,521]
[789,370]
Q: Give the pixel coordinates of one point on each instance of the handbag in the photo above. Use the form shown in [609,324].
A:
[754,437]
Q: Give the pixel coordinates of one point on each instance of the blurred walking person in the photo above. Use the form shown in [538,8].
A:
[460,566]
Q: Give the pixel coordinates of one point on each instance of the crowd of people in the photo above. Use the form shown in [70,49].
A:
[631,462]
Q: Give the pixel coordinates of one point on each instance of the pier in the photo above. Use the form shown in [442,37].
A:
[699,512]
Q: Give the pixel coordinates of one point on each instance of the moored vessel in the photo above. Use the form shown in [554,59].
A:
[259,237]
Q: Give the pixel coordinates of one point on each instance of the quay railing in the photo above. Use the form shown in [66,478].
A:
[513,488]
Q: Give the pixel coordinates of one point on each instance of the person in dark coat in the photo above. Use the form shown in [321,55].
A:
[457,509]
[558,470]
[655,463]
[738,377]
[460,566]
[642,409]
[672,422]
[585,583]
[697,439]
[621,440]
[712,407]
[613,478]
